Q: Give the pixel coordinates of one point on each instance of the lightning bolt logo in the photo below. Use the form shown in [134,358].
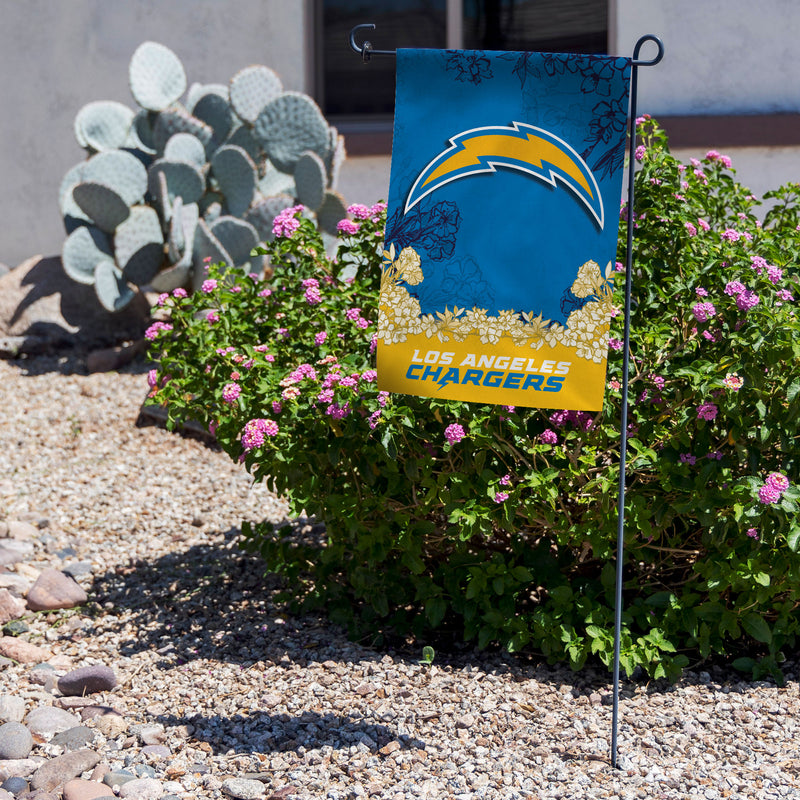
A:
[519,146]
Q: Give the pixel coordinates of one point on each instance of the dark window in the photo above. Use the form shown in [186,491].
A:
[555,26]
[359,98]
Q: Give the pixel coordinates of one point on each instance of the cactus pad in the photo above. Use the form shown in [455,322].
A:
[199,90]
[185,147]
[156,76]
[251,89]
[103,125]
[83,250]
[178,120]
[289,125]
[236,175]
[110,286]
[310,177]
[119,170]
[184,180]
[141,132]
[236,236]
[172,277]
[332,211]
[216,113]
[274,182]
[139,245]
[101,204]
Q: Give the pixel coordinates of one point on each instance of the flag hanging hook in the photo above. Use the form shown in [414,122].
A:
[365,50]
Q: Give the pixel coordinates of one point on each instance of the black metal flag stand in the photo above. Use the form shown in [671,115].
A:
[366,51]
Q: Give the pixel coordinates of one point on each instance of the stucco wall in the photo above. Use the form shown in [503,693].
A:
[57,55]
[721,56]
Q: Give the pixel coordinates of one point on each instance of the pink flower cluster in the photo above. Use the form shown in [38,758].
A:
[311,285]
[580,419]
[297,375]
[703,311]
[707,411]
[255,430]
[454,433]
[208,286]
[156,328]
[231,392]
[734,287]
[548,436]
[286,223]
[746,300]
[733,381]
[713,155]
[348,227]
[773,488]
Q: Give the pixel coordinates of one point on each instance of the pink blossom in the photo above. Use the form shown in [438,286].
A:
[180,292]
[548,436]
[733,381]
[153,331]
[778,480]
[325,396]
[362,323]
[360,211]
[152,378]
[730,235]
[212,316]
[454,433]
[707,411]
[774,274]
[752,533]
[505,480]
[352,314]
[383,398]
[348,227]
[265,293]
[231,392]
[501,497]
[703,311]
[615,344]
[785,295]
[338,412]
[320,337]
[277,406]
[734,288]
[691,230]
[286,223]
[369,376]
[313,297]
[373,419]
[208,286]
[290,393]
[747,300]
[759,264]
[255,430]
[162,298]
[640,152]
[703,224]
[767,494]
[701,292]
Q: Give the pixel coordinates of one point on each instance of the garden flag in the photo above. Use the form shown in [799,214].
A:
[502,224]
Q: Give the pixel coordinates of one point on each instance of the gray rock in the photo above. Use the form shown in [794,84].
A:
[149,733]
[156,751]
[57,771]
[17,529]
[74,738]
[118,777]
[142,789]
[48,720]
[15,741]
[77,569]
[12,708]
[144,771]
[53,589]
[14,786]
[9,556]
[243,788]
[87,680]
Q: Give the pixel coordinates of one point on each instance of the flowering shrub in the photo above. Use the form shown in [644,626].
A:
[499,523]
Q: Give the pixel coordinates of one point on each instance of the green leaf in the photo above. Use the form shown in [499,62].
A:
[756,626]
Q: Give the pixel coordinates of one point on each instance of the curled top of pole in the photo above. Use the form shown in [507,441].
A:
[636,62]
[366,50]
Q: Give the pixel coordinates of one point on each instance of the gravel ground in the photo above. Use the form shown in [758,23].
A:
[221,693]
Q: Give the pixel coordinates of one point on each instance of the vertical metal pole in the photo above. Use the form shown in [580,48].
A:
[623,442]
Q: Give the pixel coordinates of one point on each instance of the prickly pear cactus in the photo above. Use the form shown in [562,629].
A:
[191,174]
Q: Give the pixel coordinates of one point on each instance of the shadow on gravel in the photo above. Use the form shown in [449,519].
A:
[211,601]
[277,733]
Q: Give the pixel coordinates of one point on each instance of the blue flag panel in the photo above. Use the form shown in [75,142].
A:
[502,226]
